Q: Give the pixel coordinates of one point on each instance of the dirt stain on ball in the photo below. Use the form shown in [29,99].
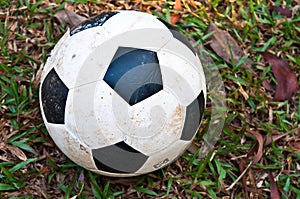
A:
[177,120]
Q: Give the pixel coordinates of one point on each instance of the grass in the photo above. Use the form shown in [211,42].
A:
[32,167]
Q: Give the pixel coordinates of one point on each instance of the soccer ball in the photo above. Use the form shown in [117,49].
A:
[123,93]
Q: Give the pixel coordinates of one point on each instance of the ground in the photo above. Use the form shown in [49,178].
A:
[258,152]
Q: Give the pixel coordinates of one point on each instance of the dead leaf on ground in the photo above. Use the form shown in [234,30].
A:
[268,86]
[274,138]
[286,79]
[242,167]
[226,47]
[274,193]
[38,76]
[258,148]
[44,169]
[260,142]
[296,145]
[17,152]
[280,10]
[175,16]
[69,18]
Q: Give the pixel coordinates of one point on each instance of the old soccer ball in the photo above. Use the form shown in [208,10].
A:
[123,93]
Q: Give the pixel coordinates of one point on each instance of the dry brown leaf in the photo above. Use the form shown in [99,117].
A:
[296,145]
[38,75]
[287,83]
[274,138]
[252,182]
[267,85]
[260,141]
[242,167]
[44,169]
[69,18]
[226,47]
[258,147]
[17,152]
[274,193]
[175,17]
[283,11]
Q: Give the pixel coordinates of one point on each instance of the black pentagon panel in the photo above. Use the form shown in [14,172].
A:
[54,97]
[134,74]
[177,35]
[98,20]
[193,117]
[118,158]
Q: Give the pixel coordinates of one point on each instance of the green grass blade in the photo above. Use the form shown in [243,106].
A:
[95,187]
[10,177]
[22,164]
[7,187]
[145,190]
[170,181]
